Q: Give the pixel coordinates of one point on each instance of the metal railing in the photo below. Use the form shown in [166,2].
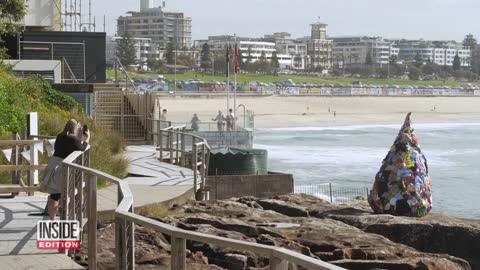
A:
[333,193]
[127,77]
[79,199]
[126,219]
[178,147]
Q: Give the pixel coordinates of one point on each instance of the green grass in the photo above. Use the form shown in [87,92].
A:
[296,78]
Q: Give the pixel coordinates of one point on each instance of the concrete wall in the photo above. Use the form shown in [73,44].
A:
[262,186]
[237,139]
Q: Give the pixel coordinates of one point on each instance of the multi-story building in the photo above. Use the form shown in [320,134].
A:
[248,46]
[319,48]
[439,52]
[161,26]
[296,48]
[351,51]
[143,48]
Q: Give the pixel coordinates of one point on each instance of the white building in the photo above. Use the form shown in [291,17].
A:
[351,51]
[159,25]
[144,49]
[247,46]
[441,53]
[296,48]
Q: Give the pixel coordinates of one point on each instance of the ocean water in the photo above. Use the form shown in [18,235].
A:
[352,155]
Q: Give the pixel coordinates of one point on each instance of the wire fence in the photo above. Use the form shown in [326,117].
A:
[335,194]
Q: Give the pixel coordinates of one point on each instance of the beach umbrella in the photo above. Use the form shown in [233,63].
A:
[402,185]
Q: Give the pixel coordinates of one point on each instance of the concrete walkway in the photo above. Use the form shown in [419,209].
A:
[154,182]
[151,182]
[18,234]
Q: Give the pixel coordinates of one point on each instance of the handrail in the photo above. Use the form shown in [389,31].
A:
[125,219]
[126,75]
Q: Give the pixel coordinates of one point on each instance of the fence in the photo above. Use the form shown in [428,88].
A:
[335,194]
[387,91]
[125,112]
[79,200]
[71,54]
[21,163]
[186,150]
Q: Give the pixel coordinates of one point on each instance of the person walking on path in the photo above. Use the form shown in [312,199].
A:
[67,142]
[163,119]
[220,119]
[195,121]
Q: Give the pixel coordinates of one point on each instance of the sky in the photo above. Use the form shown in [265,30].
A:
[411,19]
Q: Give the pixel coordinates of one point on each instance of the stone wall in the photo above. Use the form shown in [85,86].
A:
[261,186]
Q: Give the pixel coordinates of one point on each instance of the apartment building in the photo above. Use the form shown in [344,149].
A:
[439,52]
[351,51]
[159,25]
[143,48]
[296,48]
[248,46]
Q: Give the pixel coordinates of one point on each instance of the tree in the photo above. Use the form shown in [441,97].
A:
[170,54]
[393,59]
[274,62]
[456,62]
[154,64]
[185,60]
[205,56]
[249,55]
[262,65]
[369,59]
[418,60]
[414,73]
[11,11]
[241,62]
[126,50]
[470,41]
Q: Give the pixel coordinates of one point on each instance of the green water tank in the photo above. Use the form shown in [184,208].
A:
[234,161]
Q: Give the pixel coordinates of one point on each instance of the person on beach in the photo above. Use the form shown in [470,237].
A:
[220,119]
[334,114]
[163,119]
[228,119]
[233,120]
[67,142]
[195,121]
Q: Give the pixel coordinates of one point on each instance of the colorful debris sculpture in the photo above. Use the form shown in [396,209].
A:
[402,186]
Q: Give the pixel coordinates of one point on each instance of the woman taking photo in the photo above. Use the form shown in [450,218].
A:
[67,142]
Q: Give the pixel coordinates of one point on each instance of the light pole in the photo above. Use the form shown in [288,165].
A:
[175,55]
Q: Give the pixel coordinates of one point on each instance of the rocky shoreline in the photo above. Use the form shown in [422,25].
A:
[349,236]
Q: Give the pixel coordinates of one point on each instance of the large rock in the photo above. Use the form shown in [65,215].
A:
[402,185]
[350,236]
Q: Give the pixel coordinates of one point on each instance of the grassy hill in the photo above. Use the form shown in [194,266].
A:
[20,96]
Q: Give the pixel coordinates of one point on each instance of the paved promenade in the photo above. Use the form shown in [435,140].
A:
[152,182]
[18,234]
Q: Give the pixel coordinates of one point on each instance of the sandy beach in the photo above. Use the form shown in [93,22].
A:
[275,111]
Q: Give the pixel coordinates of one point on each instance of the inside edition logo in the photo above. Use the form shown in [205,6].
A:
[58,234]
